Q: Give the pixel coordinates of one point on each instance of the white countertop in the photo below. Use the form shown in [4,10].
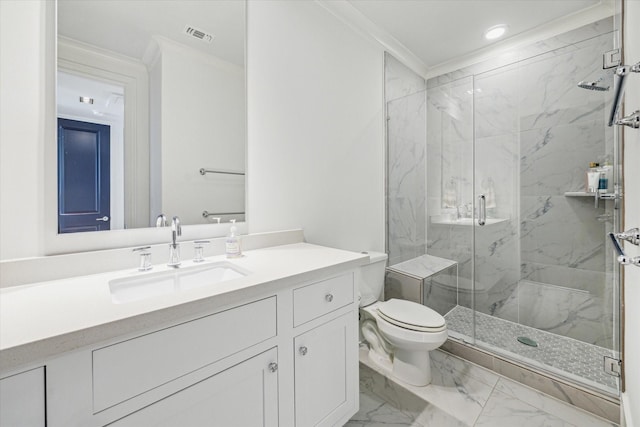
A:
[45,319]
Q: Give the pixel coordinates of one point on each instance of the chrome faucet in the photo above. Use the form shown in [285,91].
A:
[174,248]
[161,220]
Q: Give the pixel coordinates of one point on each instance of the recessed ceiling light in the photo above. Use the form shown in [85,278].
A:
[495,32]
[86,100]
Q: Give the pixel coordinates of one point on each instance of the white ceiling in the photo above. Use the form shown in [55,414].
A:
[126,26]
[435,31]
[438,31]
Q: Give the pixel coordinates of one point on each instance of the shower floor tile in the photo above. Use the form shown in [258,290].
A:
[576,360]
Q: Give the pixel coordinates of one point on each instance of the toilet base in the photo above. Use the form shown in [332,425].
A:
[412,367]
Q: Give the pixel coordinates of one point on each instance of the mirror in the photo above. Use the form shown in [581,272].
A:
[151,112]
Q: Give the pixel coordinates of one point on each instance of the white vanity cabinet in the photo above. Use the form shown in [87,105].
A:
[325,379]
[326,359]
[22,399]
[284,358]
[205,368]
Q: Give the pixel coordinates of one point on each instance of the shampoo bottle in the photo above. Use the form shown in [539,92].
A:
[232,244]
[593,177]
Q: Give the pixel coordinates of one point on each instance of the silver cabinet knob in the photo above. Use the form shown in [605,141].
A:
[328,297]
[303,350]
[104,218]
[273,367]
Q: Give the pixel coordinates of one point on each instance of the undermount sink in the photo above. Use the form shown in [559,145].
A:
[150,285]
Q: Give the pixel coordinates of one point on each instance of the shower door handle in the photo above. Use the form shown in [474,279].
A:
[482,209]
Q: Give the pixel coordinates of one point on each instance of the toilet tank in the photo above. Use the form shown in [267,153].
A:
[371,278]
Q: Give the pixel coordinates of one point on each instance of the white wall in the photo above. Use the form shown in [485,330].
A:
[315,126]
[202,110]
[631,399]
[22,79]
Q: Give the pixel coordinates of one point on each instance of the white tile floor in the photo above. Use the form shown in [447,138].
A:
[461,394]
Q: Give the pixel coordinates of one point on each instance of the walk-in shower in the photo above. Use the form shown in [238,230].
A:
[499,189]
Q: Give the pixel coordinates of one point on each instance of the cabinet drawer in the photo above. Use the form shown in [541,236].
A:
[318,299]
[127,369]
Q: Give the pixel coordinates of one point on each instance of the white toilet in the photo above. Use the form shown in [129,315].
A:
[400,333]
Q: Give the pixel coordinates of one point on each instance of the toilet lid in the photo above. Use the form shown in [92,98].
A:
[411,315]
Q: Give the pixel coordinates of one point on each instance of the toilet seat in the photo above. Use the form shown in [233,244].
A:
[412,316]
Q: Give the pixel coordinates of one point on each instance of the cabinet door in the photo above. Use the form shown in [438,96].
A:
[22,400]
[326,373]
[243,395]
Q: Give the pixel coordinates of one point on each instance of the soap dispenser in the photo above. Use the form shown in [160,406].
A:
[232,244]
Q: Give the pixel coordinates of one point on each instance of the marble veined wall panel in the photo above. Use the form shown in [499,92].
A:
[554,160]
[450,147]
[406,161]
[399,80]
[496,102]
[549,92]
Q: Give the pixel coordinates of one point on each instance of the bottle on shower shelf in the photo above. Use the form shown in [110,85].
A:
[606,172]
[593,177]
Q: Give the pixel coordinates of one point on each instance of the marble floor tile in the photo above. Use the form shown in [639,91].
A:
[453,391]
[503,410]
[374,412]
[446,362]
[385,401]
[550,405]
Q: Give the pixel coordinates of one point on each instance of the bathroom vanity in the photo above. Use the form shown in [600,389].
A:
[274,346]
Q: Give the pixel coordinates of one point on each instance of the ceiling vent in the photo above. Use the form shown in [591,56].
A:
[198,33]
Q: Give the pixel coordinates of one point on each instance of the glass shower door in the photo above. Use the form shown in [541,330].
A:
[496,246]
[450,200]
[543,287]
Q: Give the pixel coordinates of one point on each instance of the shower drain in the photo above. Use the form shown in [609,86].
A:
[527,341]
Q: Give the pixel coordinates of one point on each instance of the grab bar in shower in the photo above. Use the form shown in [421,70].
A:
[204,171]
[622,72]
[632,236]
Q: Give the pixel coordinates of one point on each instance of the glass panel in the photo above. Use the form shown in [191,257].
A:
[406,132]
[540,260]
[450,199]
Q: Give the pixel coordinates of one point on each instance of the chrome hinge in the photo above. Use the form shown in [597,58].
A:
[611,59]
[612,366]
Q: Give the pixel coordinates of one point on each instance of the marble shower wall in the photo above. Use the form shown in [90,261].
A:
[562,129]
[405,94]
[535,133]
